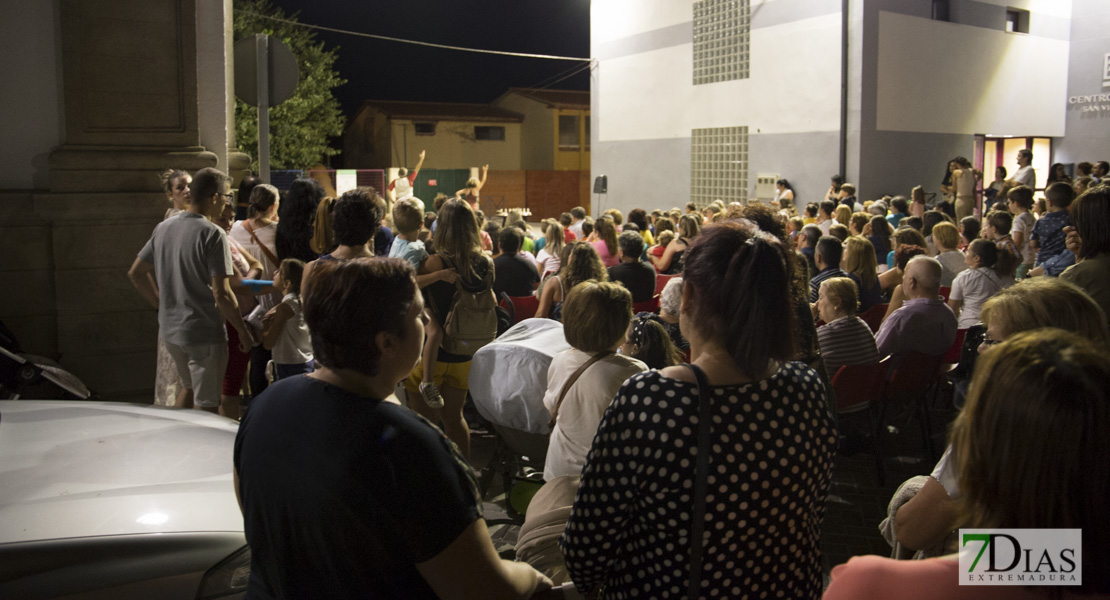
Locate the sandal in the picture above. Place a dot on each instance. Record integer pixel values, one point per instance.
(431, 395)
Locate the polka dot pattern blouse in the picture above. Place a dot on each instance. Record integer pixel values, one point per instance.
(769, 474)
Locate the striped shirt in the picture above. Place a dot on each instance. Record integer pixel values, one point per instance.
(815, 283)
(846, 341)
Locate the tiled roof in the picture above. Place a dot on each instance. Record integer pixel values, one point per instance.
(575, 99)
(444, 111)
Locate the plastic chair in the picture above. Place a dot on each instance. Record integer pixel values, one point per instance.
(874, 316)
(651, 306)
(952, 356)
(661, 282)
(520, 307)
(858, 391)
(910, 383)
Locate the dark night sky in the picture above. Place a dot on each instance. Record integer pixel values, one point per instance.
(381, 70)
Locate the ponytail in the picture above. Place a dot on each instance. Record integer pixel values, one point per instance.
(742, 294)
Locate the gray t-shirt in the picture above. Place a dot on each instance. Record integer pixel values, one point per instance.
(187, 251)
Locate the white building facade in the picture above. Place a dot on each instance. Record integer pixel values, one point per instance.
(693, 100)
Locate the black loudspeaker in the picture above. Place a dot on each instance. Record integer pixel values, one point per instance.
(601, 184)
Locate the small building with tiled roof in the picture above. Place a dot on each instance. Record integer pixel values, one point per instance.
(556, 130)
(456, 135)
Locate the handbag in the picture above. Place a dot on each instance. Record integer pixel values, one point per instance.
(573, 378)
(269, 254)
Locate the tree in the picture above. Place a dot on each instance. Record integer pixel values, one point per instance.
(300, 126)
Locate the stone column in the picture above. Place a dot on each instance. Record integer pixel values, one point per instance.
(238, 162)
(138, 98)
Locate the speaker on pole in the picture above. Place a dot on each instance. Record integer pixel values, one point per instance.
(601, 184)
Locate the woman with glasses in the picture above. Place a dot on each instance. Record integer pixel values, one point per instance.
(1028, 448)
(926, 520)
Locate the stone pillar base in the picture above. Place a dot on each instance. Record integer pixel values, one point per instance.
(102, 207)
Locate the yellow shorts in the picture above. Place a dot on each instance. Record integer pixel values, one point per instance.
(456, 375)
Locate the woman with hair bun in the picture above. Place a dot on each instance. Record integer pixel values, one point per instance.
(767, 446)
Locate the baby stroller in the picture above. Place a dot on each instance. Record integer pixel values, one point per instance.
(29, 376)
(508, 379)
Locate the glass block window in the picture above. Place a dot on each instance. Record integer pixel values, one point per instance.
(719, 165)
(722, 40)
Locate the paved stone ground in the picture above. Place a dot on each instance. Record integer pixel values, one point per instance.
(857, 502)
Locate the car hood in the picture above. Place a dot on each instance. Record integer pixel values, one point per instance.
(80, 469)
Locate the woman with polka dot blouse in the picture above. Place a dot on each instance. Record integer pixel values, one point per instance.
(771, 446)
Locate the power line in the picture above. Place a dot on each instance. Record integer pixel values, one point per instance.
(560, 75)
(414, 42)
(589, 65)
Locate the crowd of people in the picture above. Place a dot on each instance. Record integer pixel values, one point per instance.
(695, 419)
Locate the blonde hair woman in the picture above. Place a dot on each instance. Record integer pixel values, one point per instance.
(946, 237)
(548, 257)
(1029, 455)
(844, 338)
(858, 261)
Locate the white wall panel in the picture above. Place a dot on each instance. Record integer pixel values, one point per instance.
(937, 77)
(794, 87)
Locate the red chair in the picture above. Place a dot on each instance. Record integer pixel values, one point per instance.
(874, 316)
(909, 384)
(953, 355)
(651, 306)
(520, 307)
(661, 282)
(858, 390)
(945, 292)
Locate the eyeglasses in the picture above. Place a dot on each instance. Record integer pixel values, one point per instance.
(227, 197)
(988, 342)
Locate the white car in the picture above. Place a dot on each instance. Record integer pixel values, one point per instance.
(112, 500)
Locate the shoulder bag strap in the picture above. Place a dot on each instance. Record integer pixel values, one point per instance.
(269, 254)
(701, 484)
(570, 382)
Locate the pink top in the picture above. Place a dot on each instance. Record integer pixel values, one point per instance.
(865, 577)
(603, 251)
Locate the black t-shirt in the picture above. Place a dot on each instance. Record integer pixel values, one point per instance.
(516, 275)
(637, 277)
(342, 494)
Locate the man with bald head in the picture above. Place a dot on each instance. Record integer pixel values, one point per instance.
(924, 323)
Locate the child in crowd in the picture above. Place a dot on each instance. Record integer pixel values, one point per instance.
(1048, 232)
(664, 239)
(425, 234)
(284, 331)
(588, 229)
(996, 228)
(1019, 201)
(811, 214)
(407, 218)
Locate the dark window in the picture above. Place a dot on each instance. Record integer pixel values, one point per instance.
(940, 10)
(492, 133)
(425, 128)
(1017, 20)
(568, 132)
